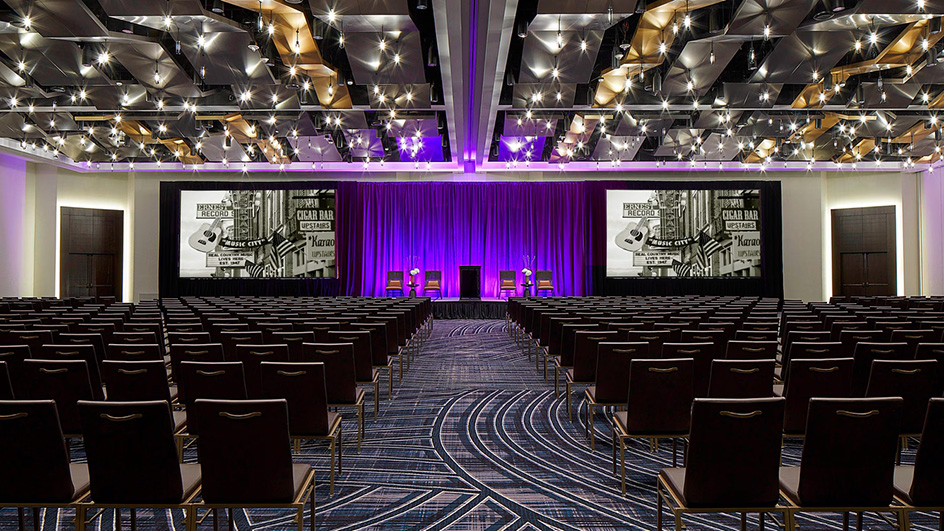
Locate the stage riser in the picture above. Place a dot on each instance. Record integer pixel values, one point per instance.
(469, 309)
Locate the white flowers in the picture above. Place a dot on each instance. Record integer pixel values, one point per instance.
(526, 271)
(414, 271)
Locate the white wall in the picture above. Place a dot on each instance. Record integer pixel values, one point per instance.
(931, 186)
(807, 200)
(13, 213)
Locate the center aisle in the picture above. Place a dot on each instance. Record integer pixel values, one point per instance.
(475, 440)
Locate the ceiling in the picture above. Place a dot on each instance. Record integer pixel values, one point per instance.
(466, 85)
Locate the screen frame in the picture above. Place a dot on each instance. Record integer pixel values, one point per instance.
(170, 284)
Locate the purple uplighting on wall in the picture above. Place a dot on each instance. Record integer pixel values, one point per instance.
(420, 148)
(520, 148)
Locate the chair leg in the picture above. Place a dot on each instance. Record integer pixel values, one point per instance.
(845, 521)
(556, 382)
(229, 519)
(376, 398)
(390, 382)
(311, 522)
(859, 521)
(134, 520)
(674, 451)
(623, 466)
(216, 519)
(19, 516)
(658, 507)
(331, 450)
(743, 521)
(590, 426)
(37, 524)
(613, 429)
(80, 518)
(760, 521)
(297, 443)
(360, 425)
(340, 446)
(570, 414)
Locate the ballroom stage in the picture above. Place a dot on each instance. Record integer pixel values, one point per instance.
(454, 308)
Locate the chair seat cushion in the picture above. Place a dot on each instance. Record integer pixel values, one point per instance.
(675, 479)
(358, 397)
(778, 389)
(622, 422)
(190, 476)
(80, 480)
(790, 483)
(180, 420)
(432, 284)
(299, 473)
(592, 391)
(374, 374)
(904, 475)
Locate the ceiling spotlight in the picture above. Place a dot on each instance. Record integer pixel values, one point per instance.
(396, 58)
(751, 59)
(298, 43)
(27, 23)
(857, 46)
(555, 73)
(162, 128)
(245, 96)
(422, 4)
(217, 7)
(157, 75)
(103, 58)
(522, 29)
(583, 45)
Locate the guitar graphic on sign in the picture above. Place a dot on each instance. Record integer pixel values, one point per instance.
(207, 236)
(632, 240)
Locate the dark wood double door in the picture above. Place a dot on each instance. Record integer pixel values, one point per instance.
(864, 252)
(91, 252)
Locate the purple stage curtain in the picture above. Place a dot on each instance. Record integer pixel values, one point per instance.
(446, 225)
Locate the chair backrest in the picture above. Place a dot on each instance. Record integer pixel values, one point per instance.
(85, 353)
(866, 353)
(14, 355)
(734, 453)
(394, 279)
(655, 338)
(702, 354)
(134, 338)
(105, 329)
(850, 338)
(585, 352)
(134, 352)
(924, 351)
(130, 381)
(338, 359)
(6, 388)
(803, 350)
(433, 279)
(251, 356)
(378, 340)
(35, 339)
(755, 335)
(65, 381)
(34, 461)
(545, 280)
(660, 394)
(268, 330)
(293, 340)
(913, 337)
(199, 352)
(188, 338)
(125, 440)
(751, 350)
(360, 339)
(915, 381)
(927, 489)
(741, 378)
(231, 427)
(702, 336)
(223, 381)
(507, 279)
(303, 385)
(229, 341)
(830, 377)
(849, 453)
(569, 340)
(95, 340)
(613, 361)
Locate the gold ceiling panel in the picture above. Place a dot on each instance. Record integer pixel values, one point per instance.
(809, 132)
(862, 147)
(762, 151)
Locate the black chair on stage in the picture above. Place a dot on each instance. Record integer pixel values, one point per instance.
(545, 282)
(507, 281)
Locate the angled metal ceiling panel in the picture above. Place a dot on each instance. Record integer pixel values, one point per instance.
(574, 64)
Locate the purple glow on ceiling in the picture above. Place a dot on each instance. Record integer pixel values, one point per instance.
(420, 148)
(518, 147)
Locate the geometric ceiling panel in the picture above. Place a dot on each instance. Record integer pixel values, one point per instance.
(796, 57)
(399, 61)
(573, 62)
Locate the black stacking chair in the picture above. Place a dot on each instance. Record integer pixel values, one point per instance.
(585, 360)
(913, 337)
(64, 381)
(229, 340)
(134, 352)
(304, 387)
(659, 405)
(35, 471)
(919, 487)
(338, 359)
(363, 360)
(132, 459)
(251, 356)
(14, 355)
(141, 381)
(702, 353)
(294, 342)
(95, 340)
(269, 478)
(848, 460)
(6, 388)
(610, 387)
(218, 381)
(198, 352)
(751, 350)
(655, 338)
(866, 353)
(915, 381)
(741, 378)
(84, 353)
(850, 338)
(828, 378)
(805, 350)
(925, 351)
(733, 461)
(34, 339)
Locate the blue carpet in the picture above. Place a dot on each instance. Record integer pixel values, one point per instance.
(474, 439)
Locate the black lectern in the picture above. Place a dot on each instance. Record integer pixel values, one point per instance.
(470, 282)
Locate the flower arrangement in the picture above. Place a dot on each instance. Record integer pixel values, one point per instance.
(415, 271)
(527, 272)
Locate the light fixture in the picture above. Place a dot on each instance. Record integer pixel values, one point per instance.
(751, 58)
(640, 8)
(422, 4)
(157, 73)
(711, 54)
(522, 29)
(298, 43)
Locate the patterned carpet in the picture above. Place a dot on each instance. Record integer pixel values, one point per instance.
(474, 439)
